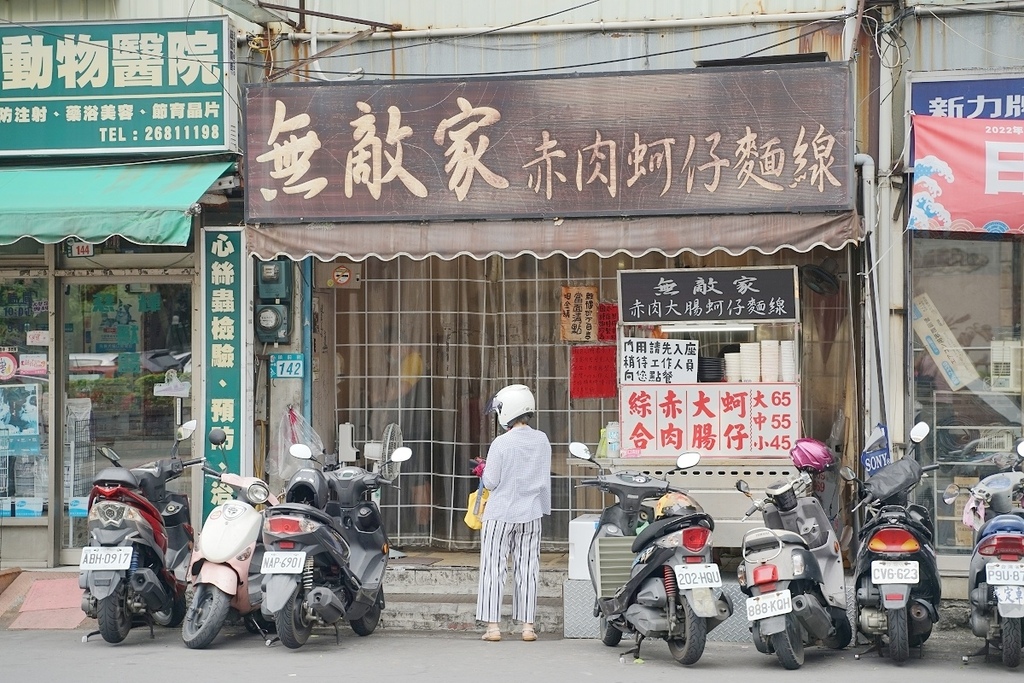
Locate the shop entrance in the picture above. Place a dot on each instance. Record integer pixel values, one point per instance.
(123, 342)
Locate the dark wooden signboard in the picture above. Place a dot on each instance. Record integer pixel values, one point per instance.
(767, 294)
(700, 141)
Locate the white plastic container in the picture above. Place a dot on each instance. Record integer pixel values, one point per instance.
(581, 533)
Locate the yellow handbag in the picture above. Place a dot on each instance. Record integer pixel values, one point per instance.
(475, 507)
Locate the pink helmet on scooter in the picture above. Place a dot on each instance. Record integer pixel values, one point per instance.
(811, 454)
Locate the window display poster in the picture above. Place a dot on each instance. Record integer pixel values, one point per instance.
(607, 321)
(592, 372)
(658, 361)
(715, 419)
(579, 314)
(19, 419)
(950, 358)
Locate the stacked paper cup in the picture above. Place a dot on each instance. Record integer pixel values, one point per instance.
(750, 362)
(732, 367)
(769, 360)
(787, 361)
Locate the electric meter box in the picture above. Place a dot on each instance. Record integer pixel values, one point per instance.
(274, 281)
(273, 323)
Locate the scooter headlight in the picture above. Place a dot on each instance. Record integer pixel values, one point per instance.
(257, 493)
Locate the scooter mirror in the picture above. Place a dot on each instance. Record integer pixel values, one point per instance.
(580, 450)
(400, 454)
(1020, 448)
(302, 451)
(109, 454)
(688, 459)
(919, 431)
(217, 436)
(847, 474)
(185, 430)
(950, 494)
(742, 487)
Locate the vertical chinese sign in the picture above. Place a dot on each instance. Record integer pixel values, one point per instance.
(579, 314)
(222, 286)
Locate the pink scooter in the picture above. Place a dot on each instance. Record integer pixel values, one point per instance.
(225, 567)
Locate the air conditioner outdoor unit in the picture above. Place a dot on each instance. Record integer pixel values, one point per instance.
(1004, 368)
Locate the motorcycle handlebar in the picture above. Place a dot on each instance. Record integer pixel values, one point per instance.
(194, 461)
(929, 468)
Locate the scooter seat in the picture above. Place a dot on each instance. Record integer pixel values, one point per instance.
(1002, 524)
(665, 526)
(117, 475)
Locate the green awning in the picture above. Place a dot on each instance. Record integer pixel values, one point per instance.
(147, 203)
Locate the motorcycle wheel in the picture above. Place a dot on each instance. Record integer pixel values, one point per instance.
(695, 629)
(789, 645)
(112, 615)
(366, 624)
(899, 638)
(610, 635)
(292, 628)
(843, 634)
(205, 616)
(1011, 642)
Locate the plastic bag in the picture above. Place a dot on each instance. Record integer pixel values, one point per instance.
(281, 464)
(475, 508)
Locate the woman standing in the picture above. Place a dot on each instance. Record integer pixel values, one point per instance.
(518, 475)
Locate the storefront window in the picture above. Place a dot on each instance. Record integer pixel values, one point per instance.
(120, 342)
(24, 393)
(966, 296)
(425, 344)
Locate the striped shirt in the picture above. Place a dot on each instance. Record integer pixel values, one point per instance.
(518, 475)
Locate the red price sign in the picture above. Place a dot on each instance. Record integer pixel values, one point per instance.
(744, 420)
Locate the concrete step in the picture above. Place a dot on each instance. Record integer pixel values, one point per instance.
(447, 580)
(444, 598)
(433, 612)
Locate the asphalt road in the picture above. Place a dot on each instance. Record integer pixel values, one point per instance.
(426, 658)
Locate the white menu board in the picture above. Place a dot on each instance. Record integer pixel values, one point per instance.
(716, 419)
(657, 361)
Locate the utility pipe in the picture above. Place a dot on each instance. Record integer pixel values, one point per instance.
(589, 27)
(868, 195)
(963, 8)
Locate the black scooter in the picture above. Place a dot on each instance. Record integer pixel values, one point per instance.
(897, 576)
(327, 551)
(661, 582)
(995, 581)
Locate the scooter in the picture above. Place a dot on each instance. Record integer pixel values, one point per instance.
(327, 551)
(897, 575)
(792, 572)
(666, 590)
(996, 574)
(134, 567)
(225, 569)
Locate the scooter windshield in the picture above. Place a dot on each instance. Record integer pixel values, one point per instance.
(893, 479)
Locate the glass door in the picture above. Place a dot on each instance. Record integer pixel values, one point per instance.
(124, 345)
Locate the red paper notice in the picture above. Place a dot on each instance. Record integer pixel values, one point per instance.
(607, 318)
(592, 372)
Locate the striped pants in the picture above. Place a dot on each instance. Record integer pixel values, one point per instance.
(497, 540)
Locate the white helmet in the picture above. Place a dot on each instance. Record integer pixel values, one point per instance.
(512, 403)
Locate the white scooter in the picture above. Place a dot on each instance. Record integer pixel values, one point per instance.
(225, 566)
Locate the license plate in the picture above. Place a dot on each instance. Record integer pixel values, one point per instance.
(698, 576)
(769, 605)
(1009, 595)
(888, 571)
(99, 557)
(1005, 574)
(283, 563)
